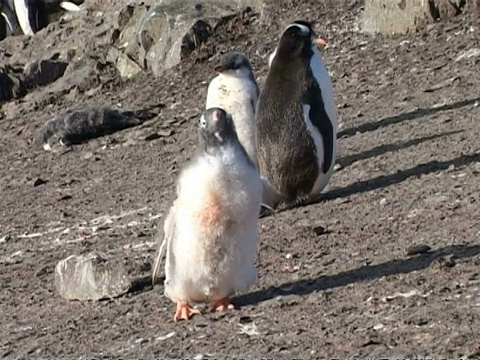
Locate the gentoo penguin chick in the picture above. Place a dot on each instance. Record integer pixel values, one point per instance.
(296, 121)
(80, 125)
(210, 232)
(235, 90)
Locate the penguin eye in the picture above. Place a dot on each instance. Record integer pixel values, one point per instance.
(203, 122)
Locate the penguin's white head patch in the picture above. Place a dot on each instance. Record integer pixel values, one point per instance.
(304, 29)
(203, 122)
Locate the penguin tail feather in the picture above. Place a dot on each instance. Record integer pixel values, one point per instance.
(158, 260)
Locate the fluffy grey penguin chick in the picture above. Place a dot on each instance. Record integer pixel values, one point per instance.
(210, 232)
(235, 90)
(296, 121)
(81, 125)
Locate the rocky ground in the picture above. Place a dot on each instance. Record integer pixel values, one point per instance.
(347, 277)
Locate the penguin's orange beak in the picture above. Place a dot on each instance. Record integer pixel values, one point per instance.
(320, 42)
(219, 68)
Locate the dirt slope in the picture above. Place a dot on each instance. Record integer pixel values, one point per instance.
(409, 149)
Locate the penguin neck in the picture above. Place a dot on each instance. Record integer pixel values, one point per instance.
(237, 75)
(213, 147)
(293, 68)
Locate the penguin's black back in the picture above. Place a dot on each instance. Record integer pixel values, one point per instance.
(286, 151)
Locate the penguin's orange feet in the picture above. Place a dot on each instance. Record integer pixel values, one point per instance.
(184, 311)
(222, 305)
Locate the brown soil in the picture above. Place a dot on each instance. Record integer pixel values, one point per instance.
(331, 274)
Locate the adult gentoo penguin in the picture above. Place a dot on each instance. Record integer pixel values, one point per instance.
(32, 15)
(235, 90)
(296, 121)
(210, 232)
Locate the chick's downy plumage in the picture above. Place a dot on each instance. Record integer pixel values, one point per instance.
(210, 232)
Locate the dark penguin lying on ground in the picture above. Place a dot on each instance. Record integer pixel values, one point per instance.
(78, 126)
(296, 121)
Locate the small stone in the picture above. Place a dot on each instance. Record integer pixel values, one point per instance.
(167, 336)
(5, 238)
(337, 167)
(43, 72)
(159, 134)
(319, 230)
(446, 262)
(38, 182)
(91, 277)
(418, 249)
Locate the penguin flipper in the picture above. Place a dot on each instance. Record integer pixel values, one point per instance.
(168, 234)
(325, 128)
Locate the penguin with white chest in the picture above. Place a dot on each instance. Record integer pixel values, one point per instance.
(235, 90)
(8, 20)
(33, 15)
(210, 232)
(296, 121)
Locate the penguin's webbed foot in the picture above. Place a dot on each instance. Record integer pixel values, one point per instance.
(222, 304)
(184, 311)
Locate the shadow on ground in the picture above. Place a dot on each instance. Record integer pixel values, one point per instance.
(384, 181)
(383, 149)
(364, 273)
(411, 115)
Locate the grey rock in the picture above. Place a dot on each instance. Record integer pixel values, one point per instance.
(160, 37)
(91, 277)
(390, 17)
(15, 79)
(10, 82)
(43, 72)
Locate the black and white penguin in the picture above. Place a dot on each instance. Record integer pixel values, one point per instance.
(8, 20)
(33, 15)
(235, 90)
(296, 121)
(211, 230)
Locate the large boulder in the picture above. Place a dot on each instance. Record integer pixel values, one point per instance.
(157, 37)
(391, 17)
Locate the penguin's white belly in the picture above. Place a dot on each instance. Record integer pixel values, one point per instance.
(325, 82)
(322, 178)
(323, 79)
(22, 11)
(235, 96)
(216, 231)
